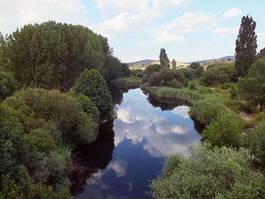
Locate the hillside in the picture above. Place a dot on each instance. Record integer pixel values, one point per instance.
(142, 64)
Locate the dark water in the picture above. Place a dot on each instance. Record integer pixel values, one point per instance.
(130, 152)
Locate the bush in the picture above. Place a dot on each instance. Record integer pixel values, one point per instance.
(167, 77)
(225, 130)
(137, 73)
(33, 163)
(210, 173)
(256, 142)
(60, 114)
(92, 84)
(252, 87)
(206, 109)
(218, 73)
(149, 70)
(7, 84)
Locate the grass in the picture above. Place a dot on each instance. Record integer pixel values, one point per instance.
(127, 82)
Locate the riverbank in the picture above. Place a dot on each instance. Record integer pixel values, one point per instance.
(127, 82)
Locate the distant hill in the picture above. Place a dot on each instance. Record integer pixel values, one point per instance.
(142, 64)
(222, 59)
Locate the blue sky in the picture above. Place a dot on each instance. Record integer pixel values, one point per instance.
(137, 29)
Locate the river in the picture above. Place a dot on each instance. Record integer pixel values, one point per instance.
(130, 152)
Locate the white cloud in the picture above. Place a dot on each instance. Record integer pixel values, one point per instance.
(160, 6)
(166, 37)
(191, 22)
(115, 7)
(16, 13)
(224, 31)
(233, 12)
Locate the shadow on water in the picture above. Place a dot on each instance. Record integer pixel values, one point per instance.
(88, 159)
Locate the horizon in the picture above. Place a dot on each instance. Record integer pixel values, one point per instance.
(187, 29)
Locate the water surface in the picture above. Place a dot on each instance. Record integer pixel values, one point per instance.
(130, 152)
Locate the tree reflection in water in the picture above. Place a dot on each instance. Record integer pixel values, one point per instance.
(88, 159)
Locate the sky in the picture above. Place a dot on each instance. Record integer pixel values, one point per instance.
(189, 30)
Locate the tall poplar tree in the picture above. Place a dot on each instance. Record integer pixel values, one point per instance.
(164, 61)
(246, 46)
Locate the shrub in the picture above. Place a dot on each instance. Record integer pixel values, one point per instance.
(218, 73)
(210, 173)
(93, 85)
(225, 130)
(252, 87)
(60, 114)
(206, 109)
(7, 84)
(167, 77)
(149, 70)
(256, 141)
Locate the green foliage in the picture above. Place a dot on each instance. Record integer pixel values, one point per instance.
(252, 87)
(218, 73)
(7, 84)
(225, 130)
(33, 163)
(89, 107)
(205, 110)
(58, 113)
(164, 61)
(256, 142)
(149, 70)
(197, 69)
(52, 55)
(168, 78)
(210, 173)
(137, 73)
(114, 69)
(127, 82)
(92, 84)
(246, 46)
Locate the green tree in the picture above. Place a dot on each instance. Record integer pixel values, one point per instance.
(256, 142)
(7, 84)
(225, 130)
(52, 55)
(164, 61)
(219, 73)
(210, 173)
(246, 46)
(92, 84)
(252, 87)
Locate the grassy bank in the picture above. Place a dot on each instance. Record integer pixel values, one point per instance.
(127, 82)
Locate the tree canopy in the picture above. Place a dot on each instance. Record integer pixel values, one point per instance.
(52, 55)
(246, 46)
(210, 173)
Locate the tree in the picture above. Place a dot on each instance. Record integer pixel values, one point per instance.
(7, 84)
(59, 114)
(93, 85)
(219, 73)
(252, 87)
(174, 64)
(210, 173)
(246, 46)
(225, 130)
(261, 53)
(256, 142)
(52, 55)
(197, 69)
(164, 61)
